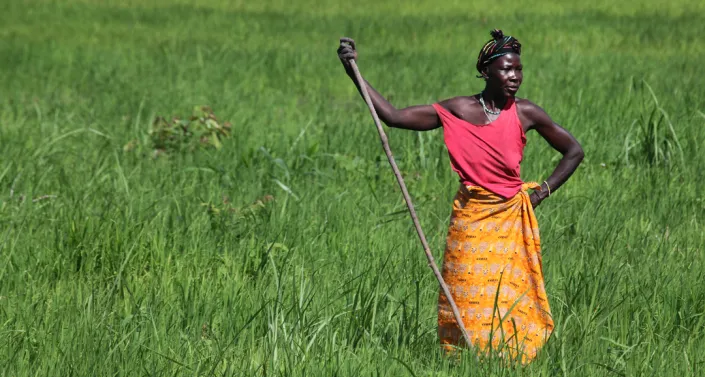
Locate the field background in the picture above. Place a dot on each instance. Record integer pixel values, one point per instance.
(111, 262)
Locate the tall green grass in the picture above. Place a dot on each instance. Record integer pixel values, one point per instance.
(113, 262)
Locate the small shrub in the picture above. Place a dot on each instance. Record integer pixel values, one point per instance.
(201, 130)
(226, 217)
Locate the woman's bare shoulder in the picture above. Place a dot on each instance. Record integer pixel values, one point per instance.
(459, 103)
(523, 104)
(531, 114)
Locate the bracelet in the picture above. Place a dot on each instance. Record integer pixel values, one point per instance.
(548, 187)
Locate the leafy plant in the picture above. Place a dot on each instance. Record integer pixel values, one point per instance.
(226, 217)
(201, 130)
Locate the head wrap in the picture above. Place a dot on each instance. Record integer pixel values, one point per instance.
(497, 46)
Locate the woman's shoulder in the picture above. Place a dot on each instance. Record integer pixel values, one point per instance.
(527, 107)
(531, 114)
(458, 105)
(525, 104)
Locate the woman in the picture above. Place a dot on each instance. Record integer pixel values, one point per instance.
(492, 259)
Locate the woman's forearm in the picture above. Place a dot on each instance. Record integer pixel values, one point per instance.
(565, 168)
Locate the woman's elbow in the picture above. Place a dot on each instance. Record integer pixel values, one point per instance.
(395, 119)
(577, 154)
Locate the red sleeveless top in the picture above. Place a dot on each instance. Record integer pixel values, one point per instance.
(489, 155)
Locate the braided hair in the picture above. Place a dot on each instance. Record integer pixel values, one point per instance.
(497, 46)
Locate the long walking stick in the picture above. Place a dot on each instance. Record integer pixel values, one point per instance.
(400, 180)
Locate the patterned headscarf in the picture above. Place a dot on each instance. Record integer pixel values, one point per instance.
(497, 46)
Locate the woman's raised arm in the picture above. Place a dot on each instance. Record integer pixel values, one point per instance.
(416, 118)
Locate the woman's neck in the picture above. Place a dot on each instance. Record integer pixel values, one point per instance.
(494, 100)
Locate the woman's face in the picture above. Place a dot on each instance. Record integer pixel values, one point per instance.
(505, 74)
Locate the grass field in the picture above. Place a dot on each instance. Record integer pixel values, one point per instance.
(113, 262)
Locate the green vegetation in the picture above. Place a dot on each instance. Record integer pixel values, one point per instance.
(288, 250)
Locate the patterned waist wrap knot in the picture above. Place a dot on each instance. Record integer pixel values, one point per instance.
(492, 266)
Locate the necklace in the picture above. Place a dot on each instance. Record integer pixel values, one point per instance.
(484, 107)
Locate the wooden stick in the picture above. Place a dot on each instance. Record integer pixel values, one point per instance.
(400, 180)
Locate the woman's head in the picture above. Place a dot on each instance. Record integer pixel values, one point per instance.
(499, 63)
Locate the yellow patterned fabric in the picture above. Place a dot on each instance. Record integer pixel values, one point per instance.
(492, 266)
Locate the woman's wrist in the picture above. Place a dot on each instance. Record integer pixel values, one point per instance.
(545, 191)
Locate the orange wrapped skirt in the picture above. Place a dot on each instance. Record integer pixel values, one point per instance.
(492, 266)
